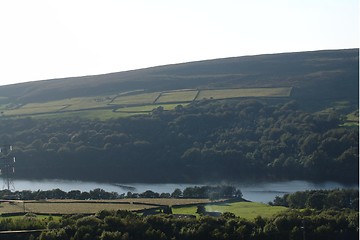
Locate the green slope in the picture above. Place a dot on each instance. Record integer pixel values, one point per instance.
(323, 77)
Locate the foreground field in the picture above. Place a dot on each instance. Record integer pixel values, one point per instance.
(91, 207)
(247, 210)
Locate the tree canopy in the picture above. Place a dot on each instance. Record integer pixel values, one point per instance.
(207, 140)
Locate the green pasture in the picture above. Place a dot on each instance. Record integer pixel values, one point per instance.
(177, 96)
(88, 102)
(58, 207)
(59, 106)
(123, 105)
(96, 114)
(34, 108)
(80, 208)
(61, 207)
(106, 114)
(247, 210)
(146, 108)
(143, 98)
(244, 92)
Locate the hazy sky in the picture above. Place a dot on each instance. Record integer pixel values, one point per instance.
(43, 39)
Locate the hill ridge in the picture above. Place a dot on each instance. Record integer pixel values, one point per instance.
(301, 70)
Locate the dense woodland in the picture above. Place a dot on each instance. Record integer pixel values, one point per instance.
(205, 141)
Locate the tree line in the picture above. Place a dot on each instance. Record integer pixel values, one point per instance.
(211, 192)
(288, 226)
(321, 199)
(205, 141)
(115, 225)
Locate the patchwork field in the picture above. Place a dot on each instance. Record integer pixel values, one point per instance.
(89, 207)
(247, 210)
(244, 92)
(177, 96)
(52, 207)
(130, 103)
(142, 98)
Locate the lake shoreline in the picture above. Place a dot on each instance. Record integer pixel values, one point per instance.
(252, 191)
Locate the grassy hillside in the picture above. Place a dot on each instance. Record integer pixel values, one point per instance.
(320, 77)
(115, 106)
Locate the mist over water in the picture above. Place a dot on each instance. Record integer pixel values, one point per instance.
(256, 192)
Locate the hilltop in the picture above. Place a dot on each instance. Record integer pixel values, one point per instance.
(320, 77)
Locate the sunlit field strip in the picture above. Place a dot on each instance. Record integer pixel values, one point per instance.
(144, 98)
(52, 108)
(178, 96)
(71, 208)
(98, 114)
(93, 206)
(247, 210)
(148, 108)
(41, 108)
(106, 114)
(55, 106)
(244, 92)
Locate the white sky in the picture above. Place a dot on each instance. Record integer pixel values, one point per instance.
(44, 39)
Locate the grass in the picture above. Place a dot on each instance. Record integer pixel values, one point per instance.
(247, 210)
(168, 201)
(11, 207)
(88, 102)
(147, 108)
(106, 114)
(119, 106)
(90, 207)
(61, 105)
(83, 207)
(34, 108)
(97, 114)
(244, 92)
(177, 96)
(53, 207)
(143, 98)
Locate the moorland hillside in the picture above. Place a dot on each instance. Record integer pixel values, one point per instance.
(270, 117)
(318, 75)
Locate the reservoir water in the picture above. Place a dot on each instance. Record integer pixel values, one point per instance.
(257, 192)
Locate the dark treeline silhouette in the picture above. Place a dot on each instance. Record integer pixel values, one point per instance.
(321, 199)
(205, 141)
(211, 192)
(288, 225)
